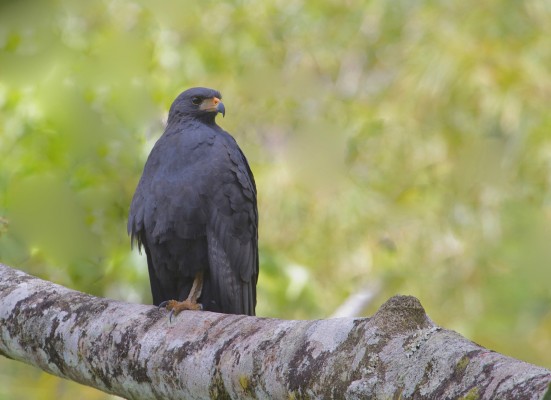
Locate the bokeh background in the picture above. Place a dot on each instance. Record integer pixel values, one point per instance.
(399, 146)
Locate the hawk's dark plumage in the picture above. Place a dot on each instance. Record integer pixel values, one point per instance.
(195, 210)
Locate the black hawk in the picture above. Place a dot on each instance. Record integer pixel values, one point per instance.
(195, 213)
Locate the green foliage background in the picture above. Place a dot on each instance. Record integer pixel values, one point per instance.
(400, 142)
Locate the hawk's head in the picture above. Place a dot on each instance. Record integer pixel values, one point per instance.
(199, 103)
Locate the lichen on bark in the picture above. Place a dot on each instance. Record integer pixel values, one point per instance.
(134, 351)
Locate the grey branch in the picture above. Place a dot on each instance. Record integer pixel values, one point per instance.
(358, 301)
(133, 351)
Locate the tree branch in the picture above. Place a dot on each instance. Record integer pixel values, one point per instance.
(358, 301)
(133, 351)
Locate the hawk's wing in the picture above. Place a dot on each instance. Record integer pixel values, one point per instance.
(232, 233)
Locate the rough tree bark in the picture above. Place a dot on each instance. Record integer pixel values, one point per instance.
(133, 351)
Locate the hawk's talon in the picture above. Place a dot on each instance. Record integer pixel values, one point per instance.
(175, 307)
(190, 303)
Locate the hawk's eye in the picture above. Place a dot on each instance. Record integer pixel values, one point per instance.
(196, 100)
